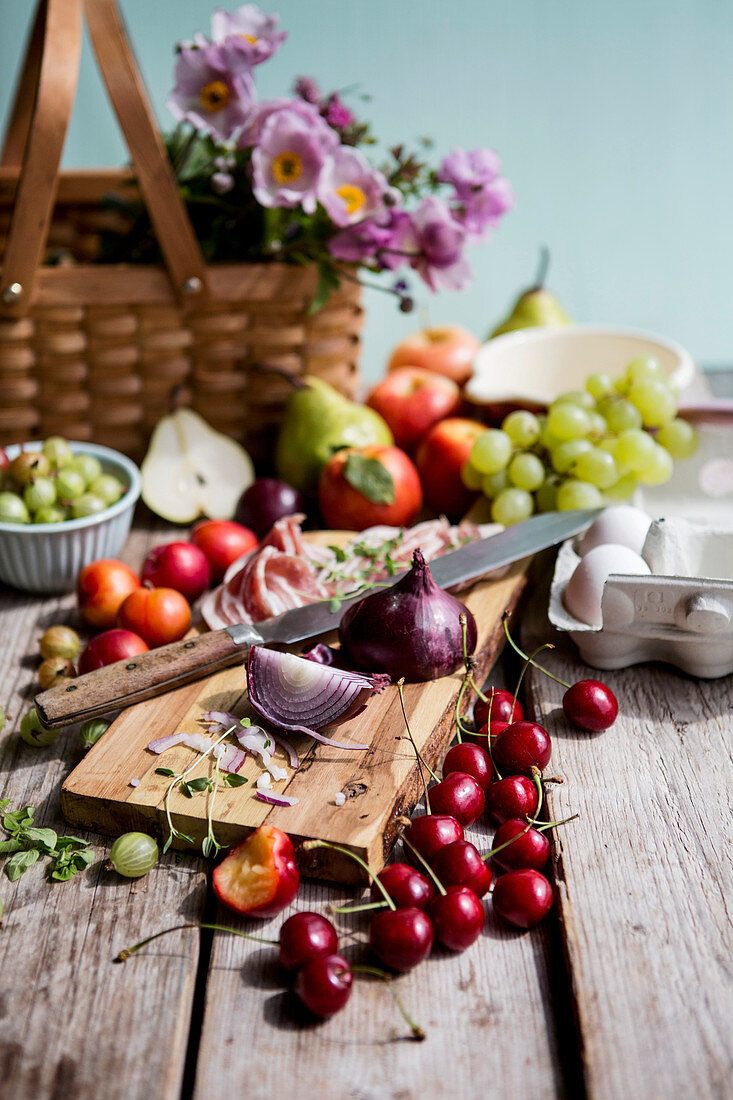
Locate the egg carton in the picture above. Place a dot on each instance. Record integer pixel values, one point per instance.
(682, 614)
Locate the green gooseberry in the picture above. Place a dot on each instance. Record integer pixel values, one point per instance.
(13, 509)
(87, 505)
(108, 488)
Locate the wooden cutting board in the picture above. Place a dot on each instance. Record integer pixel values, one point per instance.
(380, 785)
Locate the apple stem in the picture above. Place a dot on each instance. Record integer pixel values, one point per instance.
(420, 761)
(374, 971)
(311, 844)
(542, 268)
(127, 951)
(426, 865)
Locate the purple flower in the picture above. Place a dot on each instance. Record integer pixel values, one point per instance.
(336, 113)
(468, 170)
(359, 243)
(210, 93)
(437, 242)
(484, 209)
(309, 115)
(306, 88)
(481, 196)
(288, 160)
(351, 190)
(249, 31)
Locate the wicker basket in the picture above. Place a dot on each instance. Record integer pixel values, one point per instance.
(98, 351)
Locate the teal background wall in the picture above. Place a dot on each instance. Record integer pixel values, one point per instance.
(614, 124)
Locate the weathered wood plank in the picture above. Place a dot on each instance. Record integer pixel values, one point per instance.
(73, 1024)
(644, 877)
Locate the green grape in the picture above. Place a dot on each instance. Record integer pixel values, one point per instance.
(644, 366)
(599, 385)
(492, 484)
(13, 509)
(633, 448)
(522, 427)
(57, 451)
(108, 488)
(620, 414)
(70, 484)
(53, 514)
(566, 421)
(87, 505)
(658, 467)
(598, 425)
(491, 451)
(546, 496)
(88, 466)
(526, 471)
(577, 397)
(470, 476)
(624, 488)
(512, 506)
(564, 454)
(621, 385)
(41, 493)
(655, 402)
(547, 439)
(596, 466)
(574, 494)
(679, 438)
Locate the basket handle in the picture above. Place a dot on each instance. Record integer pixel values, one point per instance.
(40, 134)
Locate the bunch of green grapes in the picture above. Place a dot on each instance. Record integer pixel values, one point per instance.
(594, 446)
(54, 484)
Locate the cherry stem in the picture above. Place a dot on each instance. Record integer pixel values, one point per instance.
(420, 761)
(531, 660)
(493, 851)
(552, 824)
(310, 844)
(426, 865)
(359, 908)
(374, 971)
(127, 951)
(537, 780)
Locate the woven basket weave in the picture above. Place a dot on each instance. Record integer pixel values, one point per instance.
(98, 352)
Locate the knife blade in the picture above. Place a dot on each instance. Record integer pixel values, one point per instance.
(131, 681)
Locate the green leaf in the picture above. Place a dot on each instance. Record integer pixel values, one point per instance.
(45, 839)
(232, 780)
(165, 771)
(168, 843)
(202, 784)
(4, 803)
(64, 842)
(371, 478)
(18, 864)
(185, 836)
(16, 819)
(328, 280)
(7, 846)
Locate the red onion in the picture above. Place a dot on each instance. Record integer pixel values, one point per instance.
(412, 629)
(276, 799)
(303, 696)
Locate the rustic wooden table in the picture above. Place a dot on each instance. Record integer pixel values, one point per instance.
(624, 990)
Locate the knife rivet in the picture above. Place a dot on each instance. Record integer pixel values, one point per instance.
(189, 645)
(71, 687)
(130, 667)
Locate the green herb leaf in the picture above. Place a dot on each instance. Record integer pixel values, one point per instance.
(18, 864)
(45, 839)
(371, 478)
(7, 846)
(201, 784)
(232, 780)
(168, 843)
(165, 771)
(328, 280)
(70, 842)
(4, 803)
(185, 836)
(17, 819)
(334, 605)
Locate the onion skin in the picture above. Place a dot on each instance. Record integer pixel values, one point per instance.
(410, 630)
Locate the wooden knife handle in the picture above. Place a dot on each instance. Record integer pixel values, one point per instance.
(130, 681)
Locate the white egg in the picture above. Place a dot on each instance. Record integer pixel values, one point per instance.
(621, 524)
(584, 590)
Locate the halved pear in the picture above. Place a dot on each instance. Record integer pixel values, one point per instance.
(192, 470)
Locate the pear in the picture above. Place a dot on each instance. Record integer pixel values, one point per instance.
(192, 470)
(536, 306)
(318, 422)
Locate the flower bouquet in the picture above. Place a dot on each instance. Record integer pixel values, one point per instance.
(285, 179)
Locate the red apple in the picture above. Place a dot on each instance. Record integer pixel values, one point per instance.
(111, 646)
(101, 588)
(363, 486)
(259, 877)
(222, 541)
(411, 400)
(179, 565)
(439, 460)
(448, 350)
(4, 460)
(159, 615)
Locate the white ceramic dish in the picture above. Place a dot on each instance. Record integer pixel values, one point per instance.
(47, 557)
(533, 366)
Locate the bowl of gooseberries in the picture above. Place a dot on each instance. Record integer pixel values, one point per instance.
(63, 504)
(602, 421)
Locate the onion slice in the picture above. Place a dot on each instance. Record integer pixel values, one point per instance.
(276, 799)
(304, 697)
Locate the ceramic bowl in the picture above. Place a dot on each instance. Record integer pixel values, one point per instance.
(531, 367)
(47, 557)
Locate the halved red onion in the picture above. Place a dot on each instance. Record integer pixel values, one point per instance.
(304, 697)
(276, 799)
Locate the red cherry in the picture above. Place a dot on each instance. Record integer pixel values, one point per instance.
(512, 796)
(401, 937)
(460, 796)
(458, 917)
(306, 936)
(482, 735)
(531, 848)
(407, 886)
(522, 746)
(502, 705)
(324, 984)
(522, 898)
(429, 832)
(472, 760)
(460, 864)
(590, 705)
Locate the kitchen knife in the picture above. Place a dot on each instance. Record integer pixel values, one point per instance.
(130, 681)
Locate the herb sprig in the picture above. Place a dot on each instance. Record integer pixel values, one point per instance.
(26, 843)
